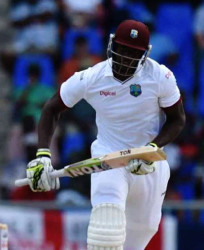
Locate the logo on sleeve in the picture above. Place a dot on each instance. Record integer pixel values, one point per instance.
(135, 90)
(168, 75)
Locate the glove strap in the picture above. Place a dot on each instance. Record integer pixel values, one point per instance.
(154, 145)
(43, 152)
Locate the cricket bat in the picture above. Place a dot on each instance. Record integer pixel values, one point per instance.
(109, 161)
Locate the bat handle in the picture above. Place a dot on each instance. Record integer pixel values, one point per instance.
(54, 174)
(21, 182)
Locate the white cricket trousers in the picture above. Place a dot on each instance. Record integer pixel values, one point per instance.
(140, 196)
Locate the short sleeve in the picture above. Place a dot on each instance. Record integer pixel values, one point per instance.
(169, 92)
(74, 89)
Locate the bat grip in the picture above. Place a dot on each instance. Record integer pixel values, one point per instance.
(21, 182)
(54, 174)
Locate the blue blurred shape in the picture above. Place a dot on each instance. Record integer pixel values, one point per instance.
(201, 89)
(201, 217)
(139, 11)
(92, 35)
(186, 190)
(20, 74)
(72, 143)
(176, 21)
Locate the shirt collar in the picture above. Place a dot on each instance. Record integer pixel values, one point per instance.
(108, 68)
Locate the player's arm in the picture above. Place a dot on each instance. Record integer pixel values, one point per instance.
(175, 121)
(48, 121)
(71, 92)
(38, 170)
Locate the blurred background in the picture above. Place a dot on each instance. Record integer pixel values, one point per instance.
(42, 43)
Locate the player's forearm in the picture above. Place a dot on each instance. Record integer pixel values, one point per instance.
(169, 132)
(46, 126)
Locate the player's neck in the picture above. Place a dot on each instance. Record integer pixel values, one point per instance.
(121, 78)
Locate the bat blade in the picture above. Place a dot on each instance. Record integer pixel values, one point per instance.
(110, 161)
(114, 160)
(121, 158)
(89, 166)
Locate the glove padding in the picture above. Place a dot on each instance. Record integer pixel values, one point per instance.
(140, 167)
(38, 172)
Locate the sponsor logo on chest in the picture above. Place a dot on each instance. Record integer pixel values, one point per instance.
(108, 93)
(134, 90)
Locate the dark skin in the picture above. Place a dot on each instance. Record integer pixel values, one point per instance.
(127, 52)
(175, 121)
(48, 120)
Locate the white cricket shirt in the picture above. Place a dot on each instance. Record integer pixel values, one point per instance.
(129, 114)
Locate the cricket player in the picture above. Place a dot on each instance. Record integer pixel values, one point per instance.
(137, 103)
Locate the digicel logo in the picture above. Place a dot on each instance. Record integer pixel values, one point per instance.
(107, 93)
(168, 74)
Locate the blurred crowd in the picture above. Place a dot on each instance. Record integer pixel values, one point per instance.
(52, 39)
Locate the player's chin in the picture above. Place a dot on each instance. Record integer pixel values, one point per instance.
(124, 71)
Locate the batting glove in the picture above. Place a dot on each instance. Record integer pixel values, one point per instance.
(38, 172)
(141, 167)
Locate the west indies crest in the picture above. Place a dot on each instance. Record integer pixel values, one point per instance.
(135, 90)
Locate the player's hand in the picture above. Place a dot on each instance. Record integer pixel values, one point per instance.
(141, 167)
(38, 171)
